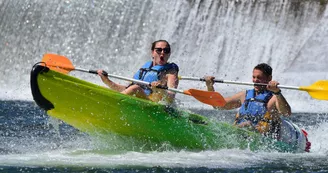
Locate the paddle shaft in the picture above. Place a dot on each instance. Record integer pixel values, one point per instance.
(236, 82)
(318, 90)
(129, 79)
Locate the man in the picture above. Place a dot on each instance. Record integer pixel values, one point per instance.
(261, 107)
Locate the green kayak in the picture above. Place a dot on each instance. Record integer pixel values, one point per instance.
(112, 117)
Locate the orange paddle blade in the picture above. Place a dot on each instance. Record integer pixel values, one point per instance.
(207, 97)
(58, 63)
(318, 90)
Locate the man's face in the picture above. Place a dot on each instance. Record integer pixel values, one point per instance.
(260, 77)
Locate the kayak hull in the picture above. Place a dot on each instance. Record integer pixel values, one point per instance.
(111, 116)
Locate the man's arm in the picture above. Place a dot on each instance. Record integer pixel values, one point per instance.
(281, 103)
(232, 102)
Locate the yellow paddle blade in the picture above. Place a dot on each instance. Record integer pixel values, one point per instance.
(318, 90)
(207, 97)
(58, 63)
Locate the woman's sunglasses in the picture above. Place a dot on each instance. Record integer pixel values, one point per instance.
(159, 50)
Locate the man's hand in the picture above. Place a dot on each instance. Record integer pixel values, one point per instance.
(273, 86)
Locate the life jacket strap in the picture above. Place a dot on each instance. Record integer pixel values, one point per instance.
(143, 71)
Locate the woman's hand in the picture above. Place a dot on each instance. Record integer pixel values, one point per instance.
(155, 86)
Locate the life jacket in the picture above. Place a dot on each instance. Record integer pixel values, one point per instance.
(254, 109)
(150, 73)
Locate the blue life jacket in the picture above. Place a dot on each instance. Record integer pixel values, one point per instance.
(150, 73)
(254, 107)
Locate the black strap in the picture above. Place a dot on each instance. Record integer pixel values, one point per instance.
(36, 93)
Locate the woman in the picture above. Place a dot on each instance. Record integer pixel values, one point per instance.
(158, 72)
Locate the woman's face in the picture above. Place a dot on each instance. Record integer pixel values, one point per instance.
(161, 53)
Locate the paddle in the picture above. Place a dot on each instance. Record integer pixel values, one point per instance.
(318, 90)
(64, 65)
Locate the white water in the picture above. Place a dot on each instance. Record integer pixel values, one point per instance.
(209, 159)
(224, 38)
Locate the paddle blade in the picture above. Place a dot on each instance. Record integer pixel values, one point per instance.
(207, 97)
(318, 90)
(58, 63)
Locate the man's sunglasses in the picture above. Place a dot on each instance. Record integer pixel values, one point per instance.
(159, 50)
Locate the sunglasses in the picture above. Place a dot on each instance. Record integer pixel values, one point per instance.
(159, 50)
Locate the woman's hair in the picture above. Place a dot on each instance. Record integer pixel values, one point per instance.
(155, 42)
(265, 68)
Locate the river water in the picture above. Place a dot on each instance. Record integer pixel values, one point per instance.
(32, 142)
(224, 38)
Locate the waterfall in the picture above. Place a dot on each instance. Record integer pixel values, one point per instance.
(223, 38)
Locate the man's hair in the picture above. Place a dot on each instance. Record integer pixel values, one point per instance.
(154, 44)
(265, 68)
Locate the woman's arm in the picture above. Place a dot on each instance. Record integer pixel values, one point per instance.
(109, 83)
(172, 82)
